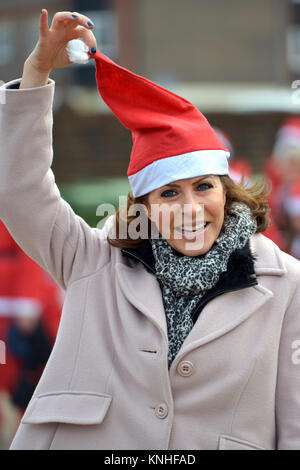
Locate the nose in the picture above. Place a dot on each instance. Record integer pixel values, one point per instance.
(192, 211)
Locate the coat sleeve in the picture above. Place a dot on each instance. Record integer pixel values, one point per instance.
(31, 207)
(288, 379)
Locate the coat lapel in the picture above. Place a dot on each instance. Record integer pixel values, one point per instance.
(141, 288)
(224, 313)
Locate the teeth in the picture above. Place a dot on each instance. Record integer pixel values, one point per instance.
(193, 229)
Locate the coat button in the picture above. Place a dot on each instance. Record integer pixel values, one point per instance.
(185, 368)
(161, 411)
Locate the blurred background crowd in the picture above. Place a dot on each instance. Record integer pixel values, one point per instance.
(238, 61)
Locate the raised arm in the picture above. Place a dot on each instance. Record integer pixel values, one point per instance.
(41, 222)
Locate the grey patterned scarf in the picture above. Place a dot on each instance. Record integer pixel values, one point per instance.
(184, 279)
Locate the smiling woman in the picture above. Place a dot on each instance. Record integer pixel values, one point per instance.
(205, 200)
(182, 340)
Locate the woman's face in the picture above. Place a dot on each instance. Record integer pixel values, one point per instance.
(189, 213)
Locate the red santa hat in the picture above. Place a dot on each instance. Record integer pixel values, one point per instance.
(172, 140)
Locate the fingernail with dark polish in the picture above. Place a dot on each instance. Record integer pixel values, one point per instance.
(75, 16)
(93, 50)
(89, 23)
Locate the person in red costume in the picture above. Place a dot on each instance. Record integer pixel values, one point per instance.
(240, 171)
(292, 209)
(30, 307)
(282, 169)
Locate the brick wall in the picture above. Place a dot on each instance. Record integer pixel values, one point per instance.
(89, 146)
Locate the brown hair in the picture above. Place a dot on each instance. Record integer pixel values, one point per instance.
(254, 196)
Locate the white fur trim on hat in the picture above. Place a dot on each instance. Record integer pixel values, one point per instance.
(77, 51)
(20, 307)
(188, 165)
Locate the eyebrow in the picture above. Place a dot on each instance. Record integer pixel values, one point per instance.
(174, 185)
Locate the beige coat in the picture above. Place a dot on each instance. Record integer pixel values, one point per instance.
(235, 383)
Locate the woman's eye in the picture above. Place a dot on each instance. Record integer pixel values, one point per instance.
(204, 186)
(168, 193)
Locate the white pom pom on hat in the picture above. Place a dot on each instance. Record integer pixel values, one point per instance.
(78, 51)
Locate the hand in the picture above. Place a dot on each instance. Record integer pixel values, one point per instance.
(50, 51)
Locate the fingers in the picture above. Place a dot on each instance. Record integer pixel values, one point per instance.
(43, 27)
(66, 18)
(86, 35)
